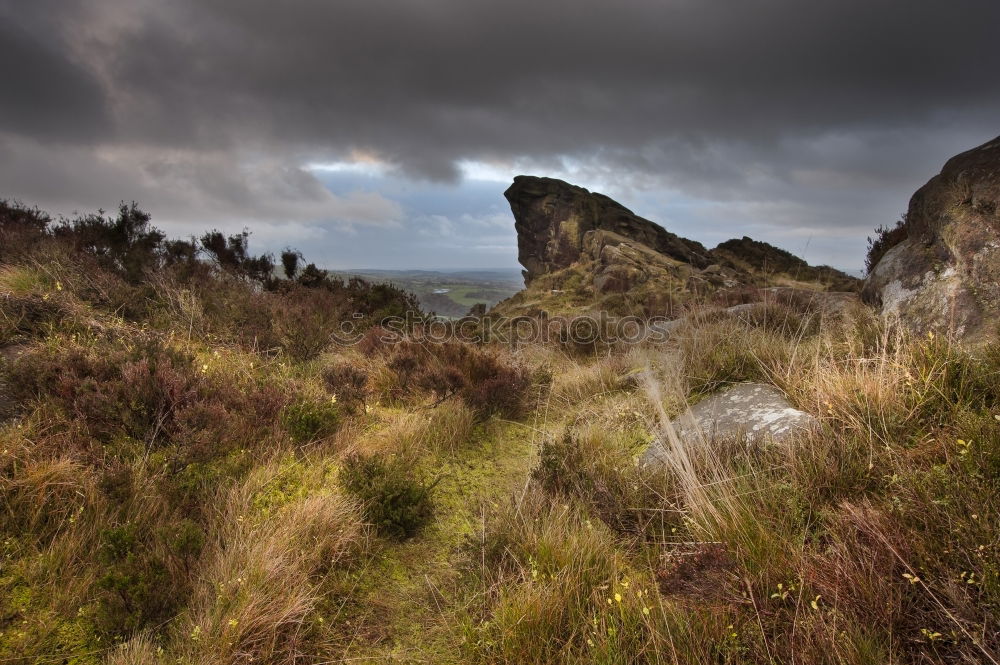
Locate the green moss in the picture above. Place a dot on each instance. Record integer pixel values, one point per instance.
(295, 479)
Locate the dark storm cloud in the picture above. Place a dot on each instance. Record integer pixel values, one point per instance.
(44, 91)
(768, 102)
(428, 82)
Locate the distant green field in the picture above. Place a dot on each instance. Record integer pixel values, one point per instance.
(449, 294)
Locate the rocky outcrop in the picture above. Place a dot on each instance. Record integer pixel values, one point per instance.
(553, 218)
(747, 411)
(752, 256)
(583, 252)
(944, 276)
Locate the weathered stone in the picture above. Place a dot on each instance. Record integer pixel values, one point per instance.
(765, 260)
(583, 252)
(552, 217)
(750, 411)
(620, 264)
(945, 275)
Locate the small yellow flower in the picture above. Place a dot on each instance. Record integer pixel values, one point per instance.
(814, 603)
(913, 579)
(58, 286)
(618, 598)
(931, 635)
(333, 398)
(234, 622)
(645, 611)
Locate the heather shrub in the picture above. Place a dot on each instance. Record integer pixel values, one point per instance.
(21, 228)
(112, 390)
(347, 383)
(886, 237)
(396, 501)
(488, 383)
(304, 319)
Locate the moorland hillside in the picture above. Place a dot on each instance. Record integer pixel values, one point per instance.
(195, 469)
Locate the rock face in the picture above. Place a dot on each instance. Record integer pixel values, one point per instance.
(553, 217)
(583, 252)
(748, 410)
(945, 275)
(753, 255)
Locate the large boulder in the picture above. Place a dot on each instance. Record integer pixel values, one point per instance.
(747, 411)
(552, 218)
(944, 276)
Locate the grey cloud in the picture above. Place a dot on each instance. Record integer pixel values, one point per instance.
(187, 189)
(45, 93)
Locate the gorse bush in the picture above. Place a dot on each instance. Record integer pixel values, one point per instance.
(396, 501)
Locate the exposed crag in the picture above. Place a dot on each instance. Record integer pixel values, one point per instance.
(583, 251)
(944, 274)
(552, 218)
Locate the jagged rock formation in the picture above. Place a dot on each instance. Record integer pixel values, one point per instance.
(583, 251)
(944, 276)
(751, 255)
(748, 411)
(552, 218)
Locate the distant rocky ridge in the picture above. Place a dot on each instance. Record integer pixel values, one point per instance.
(584, 251)
(944, 274)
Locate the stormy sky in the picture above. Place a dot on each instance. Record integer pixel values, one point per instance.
(382, 133)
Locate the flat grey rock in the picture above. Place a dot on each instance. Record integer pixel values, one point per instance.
(750, 411)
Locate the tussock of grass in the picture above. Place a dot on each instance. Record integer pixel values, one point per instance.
(263, 576)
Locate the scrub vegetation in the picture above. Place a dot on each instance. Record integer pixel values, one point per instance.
(190, 472)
